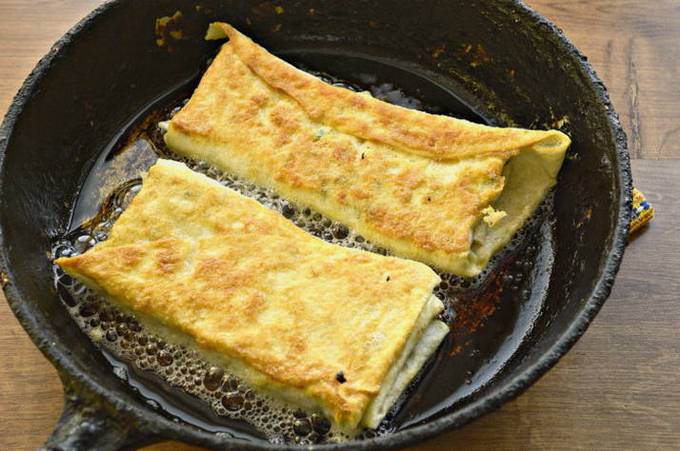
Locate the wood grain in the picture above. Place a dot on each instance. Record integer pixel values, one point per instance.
(619, 388)
(633, 46)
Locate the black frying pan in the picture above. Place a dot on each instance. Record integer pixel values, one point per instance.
(493, 61)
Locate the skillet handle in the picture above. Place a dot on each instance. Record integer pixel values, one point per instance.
(89, 423)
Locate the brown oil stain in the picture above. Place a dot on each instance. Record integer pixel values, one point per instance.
(438, 51)
(4, 279)
(587, 214)
(480, 57)
(470, 316)
(475, 54)
(168, 29)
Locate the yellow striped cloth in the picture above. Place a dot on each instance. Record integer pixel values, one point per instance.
(643, 212)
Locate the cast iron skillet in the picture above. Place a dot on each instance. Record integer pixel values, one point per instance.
(503, 60)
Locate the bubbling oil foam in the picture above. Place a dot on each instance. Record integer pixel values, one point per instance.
(184, 367)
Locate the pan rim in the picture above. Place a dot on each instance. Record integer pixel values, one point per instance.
(160, 427)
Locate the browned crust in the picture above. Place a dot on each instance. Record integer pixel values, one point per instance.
(243, 281)
(433, 136)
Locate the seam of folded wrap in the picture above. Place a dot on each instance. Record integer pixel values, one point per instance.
(416, 132)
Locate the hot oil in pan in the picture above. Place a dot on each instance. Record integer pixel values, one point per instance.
(490, 315)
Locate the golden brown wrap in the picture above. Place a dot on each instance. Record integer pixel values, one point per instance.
(282, 309)
(415, 183)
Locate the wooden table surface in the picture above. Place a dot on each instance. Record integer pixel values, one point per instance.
(620, 385)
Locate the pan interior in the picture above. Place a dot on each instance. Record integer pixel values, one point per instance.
(490, 316)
